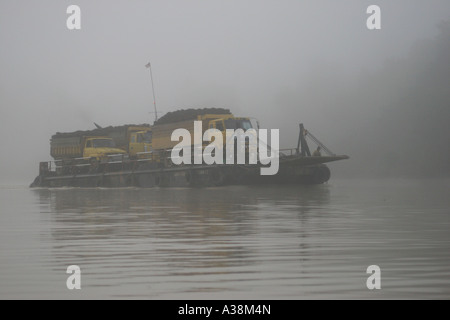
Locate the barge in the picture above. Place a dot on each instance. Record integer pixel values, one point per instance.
(91, 159)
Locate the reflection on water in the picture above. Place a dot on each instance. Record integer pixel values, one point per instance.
(233, 242)
(198, 239)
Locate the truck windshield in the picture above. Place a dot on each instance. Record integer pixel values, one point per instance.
(103, 143)
(145, 137)
(238, 124)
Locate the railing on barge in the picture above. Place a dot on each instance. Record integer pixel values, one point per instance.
(114, 162)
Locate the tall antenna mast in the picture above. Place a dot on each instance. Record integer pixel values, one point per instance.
(149, 66)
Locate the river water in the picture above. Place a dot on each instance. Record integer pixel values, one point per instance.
(260, 242)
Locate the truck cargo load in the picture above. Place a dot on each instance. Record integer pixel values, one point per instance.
(129, 138)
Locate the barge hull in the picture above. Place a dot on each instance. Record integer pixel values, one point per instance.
(188, 176)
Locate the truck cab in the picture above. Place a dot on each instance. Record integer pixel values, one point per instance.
(230, 122)
(100, 148)
(140, 141)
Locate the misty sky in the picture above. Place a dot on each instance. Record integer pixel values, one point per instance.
(283, 62)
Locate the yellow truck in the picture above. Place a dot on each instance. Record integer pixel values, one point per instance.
(221, 119)
(102, 143)
(66, 147)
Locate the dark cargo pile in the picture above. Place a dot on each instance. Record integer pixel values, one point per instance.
(98, 132)
(189, 114)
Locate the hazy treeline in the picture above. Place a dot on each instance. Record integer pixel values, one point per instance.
(394, 121)
(410, 135)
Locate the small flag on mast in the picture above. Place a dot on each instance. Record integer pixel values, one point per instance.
(148, 65)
